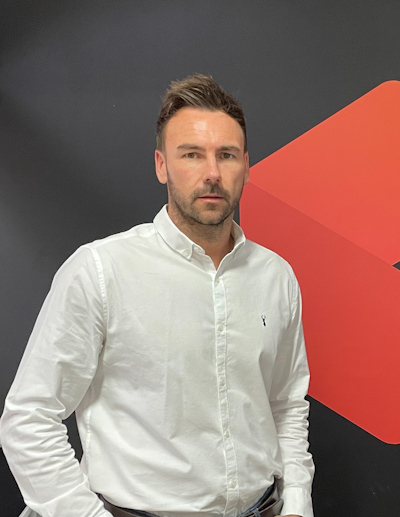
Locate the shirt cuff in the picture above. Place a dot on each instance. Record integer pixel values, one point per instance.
(297, 501)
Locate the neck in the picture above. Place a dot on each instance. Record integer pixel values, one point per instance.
(216, 240)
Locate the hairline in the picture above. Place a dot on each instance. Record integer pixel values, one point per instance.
(161, 135)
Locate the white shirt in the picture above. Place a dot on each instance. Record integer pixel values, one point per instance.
(188, 382)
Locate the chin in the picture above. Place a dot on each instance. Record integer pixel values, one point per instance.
(212, 219)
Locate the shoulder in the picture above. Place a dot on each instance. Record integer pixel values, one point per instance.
(273, 273)
(128, 244)
(264, 258)
(91, 256)
(137, 234)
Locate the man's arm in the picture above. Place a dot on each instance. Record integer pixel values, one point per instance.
(290, 410)
(54, 375)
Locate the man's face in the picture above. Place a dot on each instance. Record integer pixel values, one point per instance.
(203, 164)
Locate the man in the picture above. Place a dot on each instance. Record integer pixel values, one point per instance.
(178, 343)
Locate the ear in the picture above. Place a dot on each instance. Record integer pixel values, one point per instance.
(247, 171)
(161, 166)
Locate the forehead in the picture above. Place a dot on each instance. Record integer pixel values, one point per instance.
(200, 126)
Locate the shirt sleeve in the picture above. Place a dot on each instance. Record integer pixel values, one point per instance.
(55, 372)
(290, 411)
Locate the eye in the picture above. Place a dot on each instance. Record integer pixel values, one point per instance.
(190, 155)
(228, 156)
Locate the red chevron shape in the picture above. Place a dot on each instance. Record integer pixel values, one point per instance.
(329, 203)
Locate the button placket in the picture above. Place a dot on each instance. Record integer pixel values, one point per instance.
(221, 352)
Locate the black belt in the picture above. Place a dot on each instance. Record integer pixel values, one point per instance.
(269, 505)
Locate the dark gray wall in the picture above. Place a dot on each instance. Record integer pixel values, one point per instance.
(80, 86)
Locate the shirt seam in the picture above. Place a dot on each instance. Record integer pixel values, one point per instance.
(100, 275)
(294, 295)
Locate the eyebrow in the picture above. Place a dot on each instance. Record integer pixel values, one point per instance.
(191, 146)
(199, 148)
(229, 148)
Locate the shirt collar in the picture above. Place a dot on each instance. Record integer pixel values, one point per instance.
(181, 242)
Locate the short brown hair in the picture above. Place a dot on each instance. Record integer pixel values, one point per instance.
(197, 91)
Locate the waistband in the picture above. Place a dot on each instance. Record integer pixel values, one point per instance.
(269, 505)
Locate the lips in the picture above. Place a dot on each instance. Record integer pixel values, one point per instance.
(210, 197)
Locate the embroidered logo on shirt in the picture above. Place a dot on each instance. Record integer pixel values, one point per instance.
(263, 317)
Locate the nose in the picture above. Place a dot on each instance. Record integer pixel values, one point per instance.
(212, 173)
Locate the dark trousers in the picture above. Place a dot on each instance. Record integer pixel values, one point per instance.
(269, 505)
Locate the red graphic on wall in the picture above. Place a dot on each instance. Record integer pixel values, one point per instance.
(329, 203)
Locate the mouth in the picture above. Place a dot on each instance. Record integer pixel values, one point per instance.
(211, 197)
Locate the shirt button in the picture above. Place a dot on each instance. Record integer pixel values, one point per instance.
(186, 253)
(220, 328)
(222, 382)
(233, 484)
(227, 433)
(216, 281)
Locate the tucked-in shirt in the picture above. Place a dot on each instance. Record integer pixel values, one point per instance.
(188, 381)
